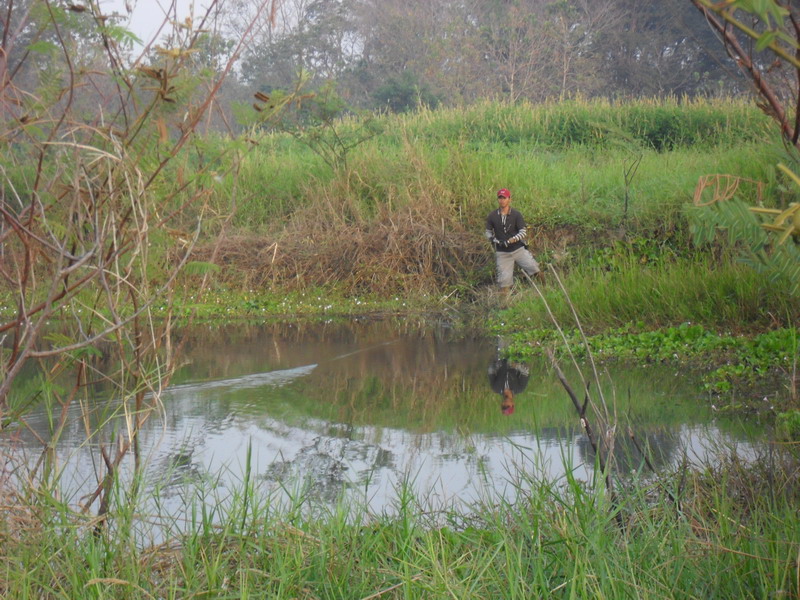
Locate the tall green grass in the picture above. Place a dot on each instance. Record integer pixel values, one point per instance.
(734, 535)
(563, 161)
(704, 291)
(658, 124)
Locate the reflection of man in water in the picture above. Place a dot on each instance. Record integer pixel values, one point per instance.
(508, 378)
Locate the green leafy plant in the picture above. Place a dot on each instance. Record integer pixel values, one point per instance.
(744, 231)
(323, 122)
(787, 425)
(404, 92)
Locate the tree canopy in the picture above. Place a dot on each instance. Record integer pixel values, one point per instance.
(381, 52)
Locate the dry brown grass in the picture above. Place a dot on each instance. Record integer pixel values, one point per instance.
(413, 248)
(18, 517)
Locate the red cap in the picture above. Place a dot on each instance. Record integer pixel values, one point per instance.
(503, 193)
(507, 410)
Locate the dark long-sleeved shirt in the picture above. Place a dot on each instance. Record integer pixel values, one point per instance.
(512, 376)
(506, 232)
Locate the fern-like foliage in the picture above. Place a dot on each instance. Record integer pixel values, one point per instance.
(743, 230)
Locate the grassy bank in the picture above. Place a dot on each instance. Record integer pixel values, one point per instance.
(400, 222)
(720, 315)
(604, 186)
(733, 534)
(405, 213)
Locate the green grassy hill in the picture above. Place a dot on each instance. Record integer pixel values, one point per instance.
(600, 183)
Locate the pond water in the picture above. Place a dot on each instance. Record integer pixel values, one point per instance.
(364, 406)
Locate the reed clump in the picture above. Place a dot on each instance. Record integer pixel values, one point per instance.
(416, 248)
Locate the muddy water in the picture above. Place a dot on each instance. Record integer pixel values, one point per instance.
(363, 408)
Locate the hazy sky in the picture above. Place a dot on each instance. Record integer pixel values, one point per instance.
(149, 14)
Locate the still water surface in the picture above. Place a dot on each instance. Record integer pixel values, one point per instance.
(361, 407)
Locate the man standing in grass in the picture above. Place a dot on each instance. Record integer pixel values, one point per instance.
(505, 228)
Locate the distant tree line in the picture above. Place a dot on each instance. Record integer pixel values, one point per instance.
(396, 54)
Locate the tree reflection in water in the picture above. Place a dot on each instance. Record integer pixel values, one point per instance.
(363, 406)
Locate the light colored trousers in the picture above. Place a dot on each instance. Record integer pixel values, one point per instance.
(506, 262)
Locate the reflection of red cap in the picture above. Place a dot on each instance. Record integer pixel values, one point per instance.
(503, 193)
(507, 410)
